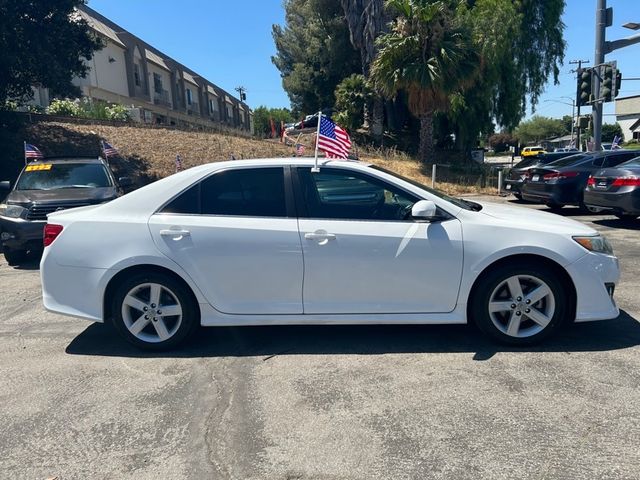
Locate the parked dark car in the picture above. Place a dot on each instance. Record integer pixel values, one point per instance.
(616, 189)
(46, 186)
(517, 173)
(563, 182)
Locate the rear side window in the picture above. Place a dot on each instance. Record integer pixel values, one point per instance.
(257, 192)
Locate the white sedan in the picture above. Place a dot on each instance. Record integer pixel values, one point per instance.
(271, 242)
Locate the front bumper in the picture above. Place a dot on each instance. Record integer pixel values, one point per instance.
(21, 234)
(593, 276)
(620, 202)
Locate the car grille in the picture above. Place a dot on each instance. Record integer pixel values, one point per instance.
(40, 212)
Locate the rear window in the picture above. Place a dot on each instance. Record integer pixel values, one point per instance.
(632, 163)
(570, 160)
(53, 176)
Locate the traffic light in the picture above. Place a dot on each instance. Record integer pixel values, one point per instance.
(583, 122)
(607, 88)
(617, 84)
(585, 76)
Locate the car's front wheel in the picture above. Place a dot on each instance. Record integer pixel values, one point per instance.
(520, 304)
(154, 311)
(13, 256)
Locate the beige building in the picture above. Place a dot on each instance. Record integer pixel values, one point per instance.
(628, 116)
(159, 89)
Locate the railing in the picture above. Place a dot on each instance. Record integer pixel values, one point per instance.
(194, 108)
(162, 98)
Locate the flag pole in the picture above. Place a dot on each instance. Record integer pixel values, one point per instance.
(315, 168)
(24, 150)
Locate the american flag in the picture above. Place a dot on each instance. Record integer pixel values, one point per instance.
(299, 149)
(333, 139)
(178, 163)
(31, 151)
(108, 150)
(616, 143)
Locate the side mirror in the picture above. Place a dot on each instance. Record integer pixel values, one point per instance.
(125, 182)
(424, 210)
(6, 185)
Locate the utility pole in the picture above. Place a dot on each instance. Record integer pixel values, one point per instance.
(577, 119)
(242, 93)
(602, 21)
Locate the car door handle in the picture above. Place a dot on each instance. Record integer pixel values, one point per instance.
(175, 233)
(319, 235)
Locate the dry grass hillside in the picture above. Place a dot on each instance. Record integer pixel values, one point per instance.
(149, 153)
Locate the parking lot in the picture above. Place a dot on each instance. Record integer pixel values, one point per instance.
(331, 402)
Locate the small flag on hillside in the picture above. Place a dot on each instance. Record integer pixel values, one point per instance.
(31, 151)
(108, 150)
(616, 143)
(299, 149)
(178, 163)
(333, 139)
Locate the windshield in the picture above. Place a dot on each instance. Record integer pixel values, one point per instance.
(570, 160)
(51, 176)
(526, 163)
(634, 162)
(458, 202)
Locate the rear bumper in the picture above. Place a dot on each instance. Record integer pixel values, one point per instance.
(590, 275)
(513, 186)
(550, 193)
(625, 202)
(21, 234)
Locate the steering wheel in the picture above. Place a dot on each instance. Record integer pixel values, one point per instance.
(405, 212)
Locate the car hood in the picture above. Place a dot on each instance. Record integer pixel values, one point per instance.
(530, 219)
(61, 195)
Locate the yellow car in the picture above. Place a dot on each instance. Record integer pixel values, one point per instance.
(532, 151)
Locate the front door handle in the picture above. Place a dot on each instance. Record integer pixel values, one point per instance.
(175, 233)
(319, 235)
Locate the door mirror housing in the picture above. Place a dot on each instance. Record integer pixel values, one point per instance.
(6, 185)
(424, 210)
(125, 182)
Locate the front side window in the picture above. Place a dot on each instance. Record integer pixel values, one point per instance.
(257, 192)
(55, 176)
(342, 194)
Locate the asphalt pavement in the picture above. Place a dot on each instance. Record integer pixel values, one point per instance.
(330, 402)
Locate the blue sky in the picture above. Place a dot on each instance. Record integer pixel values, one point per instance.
(230, 43)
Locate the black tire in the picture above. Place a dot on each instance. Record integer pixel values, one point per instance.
(14, 257)
(173, 291)
(626, 216)
(556, 207)
(518, 196)
(496, 326)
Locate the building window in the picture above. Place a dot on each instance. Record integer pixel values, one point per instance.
(636, 135)
(136, 74)
(213, 105)
(157, 83)
(229, 112)
(189, 96)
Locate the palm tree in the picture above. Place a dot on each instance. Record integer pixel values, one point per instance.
(367, 20)
(427, 55)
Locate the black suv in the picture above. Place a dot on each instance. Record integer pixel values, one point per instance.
(45, 186)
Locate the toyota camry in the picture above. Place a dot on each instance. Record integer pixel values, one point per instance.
(266, 242)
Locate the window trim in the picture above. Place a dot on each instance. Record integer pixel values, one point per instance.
(288, 195)
(303, 212)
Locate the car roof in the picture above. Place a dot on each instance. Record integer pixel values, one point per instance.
(68, 159)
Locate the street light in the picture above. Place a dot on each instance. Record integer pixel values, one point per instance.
(632, 25)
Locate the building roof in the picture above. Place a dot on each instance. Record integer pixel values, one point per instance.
(188, 77)
(101, 27)
(157, 59)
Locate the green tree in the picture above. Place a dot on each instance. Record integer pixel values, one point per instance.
(314, 53)
(610, 130)
(352, 96)
(262, 116)
(500, 142)
(42, 43)
(540, 128)
(428, 55)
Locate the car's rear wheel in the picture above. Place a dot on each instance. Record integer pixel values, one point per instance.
(154, 311)
(520, 304)
(554, 206)
(13, 256)
(518, 196)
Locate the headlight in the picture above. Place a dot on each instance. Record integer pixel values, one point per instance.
(12, 211)
(598, 244)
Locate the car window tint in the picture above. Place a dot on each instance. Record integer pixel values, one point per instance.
(188, 202)
(337, 193)
(566, 161)
(247, 192)
(598, 161)
(614, 160)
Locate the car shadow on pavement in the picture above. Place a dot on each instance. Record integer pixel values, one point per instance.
(270, 341)
(619, 223)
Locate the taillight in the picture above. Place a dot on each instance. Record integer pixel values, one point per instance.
(631, 181)
(51, 232)
(560, 175)
(591, 182)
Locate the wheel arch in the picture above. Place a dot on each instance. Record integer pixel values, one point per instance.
(135, 269)
(521, 258)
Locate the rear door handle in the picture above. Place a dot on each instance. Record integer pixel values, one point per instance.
(175, 233)
(319, 235)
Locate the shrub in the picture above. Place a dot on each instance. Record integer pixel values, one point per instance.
(66, 108)
(118, 112)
